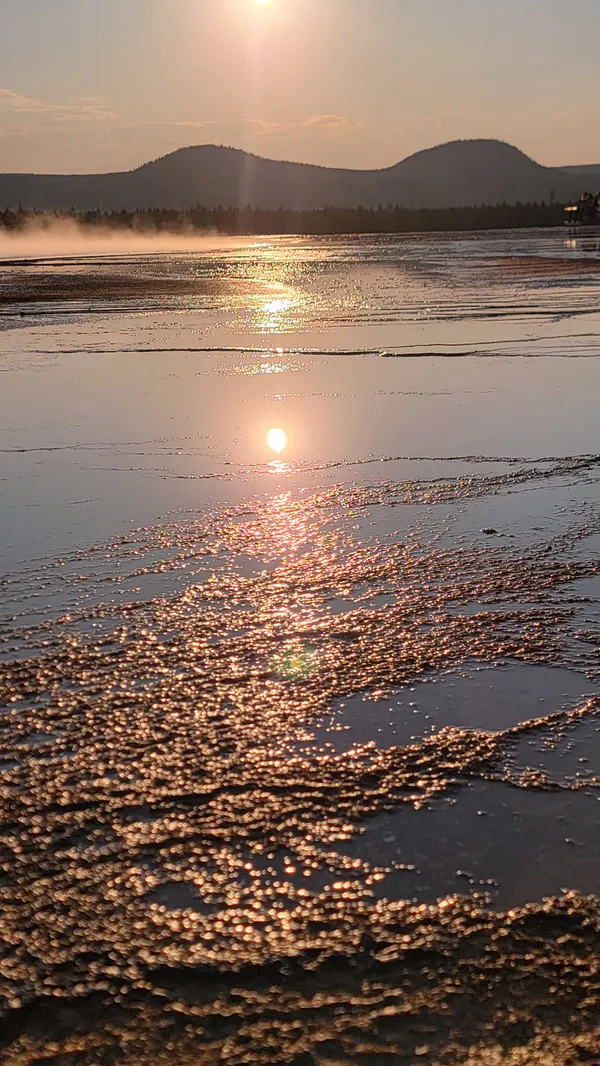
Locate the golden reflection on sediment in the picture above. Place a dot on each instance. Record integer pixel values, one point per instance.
(383, 1016)
(269, 363)
(292, 526)
(145, 754)
(296, 665)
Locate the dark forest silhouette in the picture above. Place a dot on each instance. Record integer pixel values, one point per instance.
(334, 220)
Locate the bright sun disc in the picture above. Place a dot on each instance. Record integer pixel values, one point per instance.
(277, 440)
(262, 3)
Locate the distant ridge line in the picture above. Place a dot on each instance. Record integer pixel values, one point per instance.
(453, 175)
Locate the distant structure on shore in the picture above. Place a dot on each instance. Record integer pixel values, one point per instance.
(458, 174)
(586, 212)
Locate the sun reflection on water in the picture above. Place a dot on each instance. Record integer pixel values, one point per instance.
(277, 440)
(276, 315)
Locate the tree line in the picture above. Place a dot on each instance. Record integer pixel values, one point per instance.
(327, 221)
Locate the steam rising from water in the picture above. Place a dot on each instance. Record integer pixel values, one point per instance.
(67, 237)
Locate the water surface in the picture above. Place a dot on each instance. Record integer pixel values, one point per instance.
(299, 754)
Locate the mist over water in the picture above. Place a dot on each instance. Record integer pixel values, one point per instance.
(55, 238)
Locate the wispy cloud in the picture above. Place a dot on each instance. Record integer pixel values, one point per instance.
(87, 110)
(326, 125)
(20, 115)
(85, 133)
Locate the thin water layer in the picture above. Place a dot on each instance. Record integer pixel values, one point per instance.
(477, 697)
(435, 295)
(307, 769)
(156, 812)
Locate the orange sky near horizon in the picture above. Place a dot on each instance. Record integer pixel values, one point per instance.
(108, 84)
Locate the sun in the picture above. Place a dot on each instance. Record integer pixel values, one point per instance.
(262, 3)
(277, 440)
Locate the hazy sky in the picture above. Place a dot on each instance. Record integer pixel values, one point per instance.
(95, 85)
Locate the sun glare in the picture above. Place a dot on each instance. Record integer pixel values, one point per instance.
(262, 3)
(277, 440)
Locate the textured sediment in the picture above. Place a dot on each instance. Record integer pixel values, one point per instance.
(182, 881)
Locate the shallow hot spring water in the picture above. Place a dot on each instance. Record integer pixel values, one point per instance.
(299, 653)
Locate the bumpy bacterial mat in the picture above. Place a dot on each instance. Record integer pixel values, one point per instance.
(192, 873)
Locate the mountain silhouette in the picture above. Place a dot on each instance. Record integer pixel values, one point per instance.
(457, 174)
